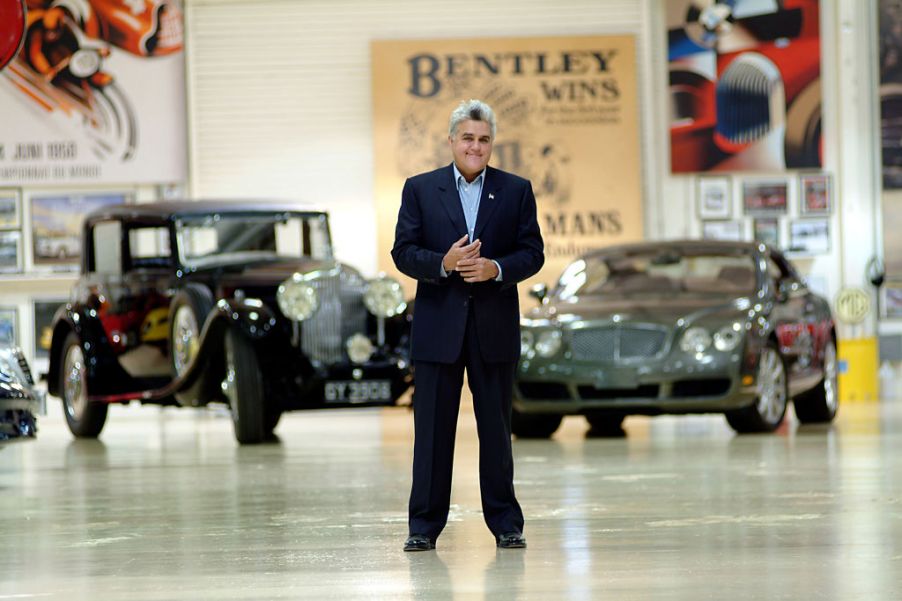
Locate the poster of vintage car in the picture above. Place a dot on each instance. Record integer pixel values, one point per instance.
(56, 222)
(95, 95)
(9, 326)
(745, 88)
(10, 209)
(10, 252)
(809, 236)
(567, 111)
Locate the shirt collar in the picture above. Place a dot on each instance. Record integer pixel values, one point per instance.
(458, 175)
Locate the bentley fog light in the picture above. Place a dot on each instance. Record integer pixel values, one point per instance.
(297, 299)
(384, 297)
(549, 343)
(728, 337)
(695, 340)
(526, 342)
(359, 348)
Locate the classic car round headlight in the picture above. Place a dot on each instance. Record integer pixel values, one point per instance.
(297, 299)
(695, 340)
(549, 343)
(728, 337)
(526, 342)
(384, 297)
(359, 348)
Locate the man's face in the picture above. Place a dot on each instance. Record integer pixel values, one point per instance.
(471, 146)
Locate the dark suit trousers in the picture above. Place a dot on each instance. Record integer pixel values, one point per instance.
(436, 406)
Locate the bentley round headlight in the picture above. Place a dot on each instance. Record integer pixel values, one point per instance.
(384, 297)
(549, 343)
(695, 340)
(728, 337)
(526, 342)
(297, 299)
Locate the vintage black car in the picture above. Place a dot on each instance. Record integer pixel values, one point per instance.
(20, 401)
(676, 327)
(191, 303)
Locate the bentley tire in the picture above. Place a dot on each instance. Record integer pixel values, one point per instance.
(766, 413)
(525, 425)
(188, 312)
(85, 419)
(820, 403)
(243, 387)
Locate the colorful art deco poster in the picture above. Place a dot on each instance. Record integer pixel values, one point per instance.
(745, 88)
(95, 95)
(567, 114)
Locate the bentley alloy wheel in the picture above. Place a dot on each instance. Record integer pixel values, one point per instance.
(766, 413)
(821, 403)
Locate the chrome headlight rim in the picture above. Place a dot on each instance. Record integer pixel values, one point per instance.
(696, 339)
(728, 337)
(297, 298)
(384, 297)
(548, 343)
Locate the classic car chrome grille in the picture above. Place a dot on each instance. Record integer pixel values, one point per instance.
(610, 343)
(341, 313)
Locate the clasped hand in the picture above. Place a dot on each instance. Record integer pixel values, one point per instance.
(465, 259)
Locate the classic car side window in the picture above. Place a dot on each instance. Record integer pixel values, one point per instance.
(149, 247)
(107, 248)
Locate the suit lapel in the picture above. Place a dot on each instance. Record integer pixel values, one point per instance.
(450, 200)
(488, 202)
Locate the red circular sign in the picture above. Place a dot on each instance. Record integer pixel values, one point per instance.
(12, 28)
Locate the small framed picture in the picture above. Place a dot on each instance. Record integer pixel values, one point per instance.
(722, 230)
(11, 252)
(893, 300)
(816, 194)
(765, 197)
(767, 230)
(714, 198)
(10, 209)
(9, 326)
(809, 236)
(44, 310)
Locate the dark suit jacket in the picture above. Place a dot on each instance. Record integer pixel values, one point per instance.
(430, 220)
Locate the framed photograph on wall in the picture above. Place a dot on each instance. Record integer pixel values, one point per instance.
(816, 196)
(9, 326)
(767, 230)
(10, 209)
(714, 198)
(43, 322)
(56, 222)
(11, 252)
(722, 230)
(893, 300)
(765, 197)
(809, 236)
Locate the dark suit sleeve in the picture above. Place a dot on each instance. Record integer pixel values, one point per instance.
(529, 255)
(408, 253)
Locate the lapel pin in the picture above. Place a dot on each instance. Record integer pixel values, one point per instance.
(491, 196)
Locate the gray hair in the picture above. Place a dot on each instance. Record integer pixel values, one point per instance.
(471, 110)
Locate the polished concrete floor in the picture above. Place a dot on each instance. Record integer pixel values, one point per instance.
(167, 507)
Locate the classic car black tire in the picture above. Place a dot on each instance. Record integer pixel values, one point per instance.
(539, 425)
(85, 420)
(245, 391)
(756, 417)
(197, 299)
(820, 403)
(604, 425)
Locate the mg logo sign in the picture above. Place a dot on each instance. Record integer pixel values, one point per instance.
(12, 29)
(852, 305)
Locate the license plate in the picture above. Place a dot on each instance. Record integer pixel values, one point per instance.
(358, 391)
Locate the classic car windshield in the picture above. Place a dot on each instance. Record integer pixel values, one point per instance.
(658, 272)
(225, 238)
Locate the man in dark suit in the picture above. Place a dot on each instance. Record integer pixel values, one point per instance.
(468, 234)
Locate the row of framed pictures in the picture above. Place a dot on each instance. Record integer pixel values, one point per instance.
(805, 236)
(42, 320)
(763, 197)
(51, 231)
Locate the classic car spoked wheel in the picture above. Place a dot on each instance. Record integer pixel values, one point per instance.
(526, 425)
(605, 425)
(243, 387)
(821, 403)
(189, 310)
(766, 413)
(85, 419)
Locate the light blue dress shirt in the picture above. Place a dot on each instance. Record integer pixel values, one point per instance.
(470, 194)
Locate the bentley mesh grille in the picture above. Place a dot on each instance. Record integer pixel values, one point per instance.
(341, 313)
(610, 343)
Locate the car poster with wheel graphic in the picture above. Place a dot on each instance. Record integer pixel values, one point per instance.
(56, 222)
(95, 94)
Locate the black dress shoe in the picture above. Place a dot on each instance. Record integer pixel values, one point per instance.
(419, 542)
(511, 540)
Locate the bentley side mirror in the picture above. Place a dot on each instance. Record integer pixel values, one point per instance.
(539, 292)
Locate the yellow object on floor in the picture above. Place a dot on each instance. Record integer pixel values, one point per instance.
(858, 369)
